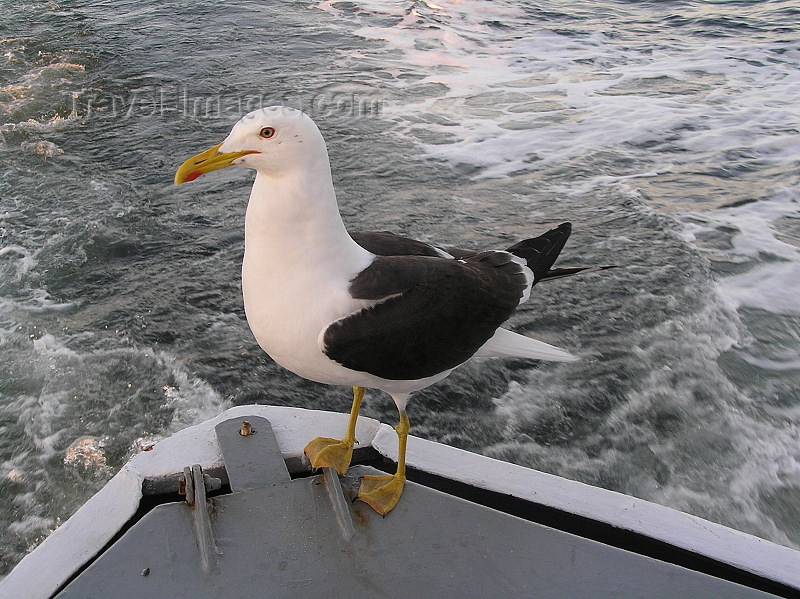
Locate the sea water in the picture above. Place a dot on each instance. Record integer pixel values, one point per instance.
(666, 132)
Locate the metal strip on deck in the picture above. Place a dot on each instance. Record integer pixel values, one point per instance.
(251, 453)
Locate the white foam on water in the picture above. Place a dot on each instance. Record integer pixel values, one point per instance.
(68, 399)
(522, 89)
(772, 283)
(43, 93)
(18, 259)
(788, 362)
(31, 524)
(684, 436)
(20, 291)
(524, 98)
(43, 148)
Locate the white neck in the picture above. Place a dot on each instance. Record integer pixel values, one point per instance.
(293, 221)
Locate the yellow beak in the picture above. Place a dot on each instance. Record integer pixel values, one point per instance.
(205, 162)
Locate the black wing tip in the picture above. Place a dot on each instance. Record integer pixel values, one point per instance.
(541, 252)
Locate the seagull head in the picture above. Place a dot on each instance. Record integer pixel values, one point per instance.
(271, 140)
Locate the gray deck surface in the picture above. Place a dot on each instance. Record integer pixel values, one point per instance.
(276, 537)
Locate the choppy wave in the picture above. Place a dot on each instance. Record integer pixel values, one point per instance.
(72, 417)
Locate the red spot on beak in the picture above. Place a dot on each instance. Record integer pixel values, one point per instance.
(192, 176)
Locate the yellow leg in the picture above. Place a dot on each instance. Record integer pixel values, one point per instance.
(382, 493)
(332, 453)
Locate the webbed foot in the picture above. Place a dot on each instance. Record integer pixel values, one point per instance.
(381, 493)
(330, 453)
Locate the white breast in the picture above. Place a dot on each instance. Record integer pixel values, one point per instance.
(287, 309)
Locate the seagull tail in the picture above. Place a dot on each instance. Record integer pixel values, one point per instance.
(507, 344)
(560, 273)
(541, 252)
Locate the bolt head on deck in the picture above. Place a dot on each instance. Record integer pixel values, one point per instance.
(246, 429)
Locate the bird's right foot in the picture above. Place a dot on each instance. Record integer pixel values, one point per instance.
(330, 453)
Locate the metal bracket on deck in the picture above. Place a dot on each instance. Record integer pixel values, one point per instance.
(253, 459)
(251, 453)
(186, 483)
(194, 485)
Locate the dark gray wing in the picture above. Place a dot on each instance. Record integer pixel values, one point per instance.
(539, 252)
(384, 243)
(435, 315)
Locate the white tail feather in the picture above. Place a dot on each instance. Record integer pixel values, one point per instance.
(507, 344)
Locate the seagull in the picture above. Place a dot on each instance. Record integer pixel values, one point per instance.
(370, 310)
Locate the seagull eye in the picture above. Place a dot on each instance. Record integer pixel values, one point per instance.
(267, 132)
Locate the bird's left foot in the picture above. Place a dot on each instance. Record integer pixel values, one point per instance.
(381, 493)
(330, 453)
